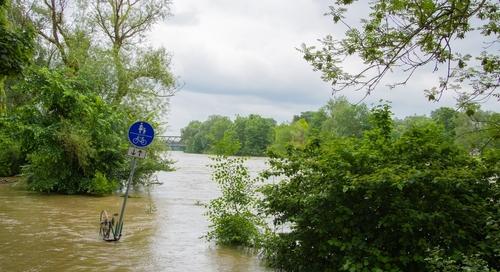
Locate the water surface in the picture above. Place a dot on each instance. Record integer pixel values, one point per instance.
(161, 231)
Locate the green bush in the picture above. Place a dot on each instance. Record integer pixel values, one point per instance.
(74, 140)
(235, 230)
(231, 215)
(380, 202)
(100, 185)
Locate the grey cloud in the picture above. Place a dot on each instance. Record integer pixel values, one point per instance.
(239, 56)
(183, 19)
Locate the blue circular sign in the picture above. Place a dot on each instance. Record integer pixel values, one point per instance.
(141, 134)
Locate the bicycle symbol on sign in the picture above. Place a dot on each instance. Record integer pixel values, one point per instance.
(139, 139)
(141, 134)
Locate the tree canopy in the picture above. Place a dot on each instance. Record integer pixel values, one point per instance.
(385, 201)
(219, 135)
(68, 113)
(405, 36)
(476, 132)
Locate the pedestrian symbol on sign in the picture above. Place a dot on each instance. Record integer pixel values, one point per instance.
(142, 130)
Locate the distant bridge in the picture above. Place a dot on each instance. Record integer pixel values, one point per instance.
(174, 142)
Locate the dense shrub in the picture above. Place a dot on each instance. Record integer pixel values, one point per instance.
(381, 202)
(75, 142)
(100, 185)
(235, 230)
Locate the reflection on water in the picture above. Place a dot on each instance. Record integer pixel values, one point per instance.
(60, 233)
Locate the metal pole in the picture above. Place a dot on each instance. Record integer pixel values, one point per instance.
(120, 221)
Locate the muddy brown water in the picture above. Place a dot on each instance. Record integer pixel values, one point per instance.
(162, 230)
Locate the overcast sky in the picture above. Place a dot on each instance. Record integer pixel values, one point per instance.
(239, 57)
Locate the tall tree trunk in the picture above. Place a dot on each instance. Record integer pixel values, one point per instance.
(122, 78)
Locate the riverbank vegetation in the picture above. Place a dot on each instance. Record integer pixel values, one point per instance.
(78, 74)
(475, 131)
(397, 196)
(383, 201)
(359, 190)
(248, 136)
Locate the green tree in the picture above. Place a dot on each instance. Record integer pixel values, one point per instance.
(60, 43)
(79, 35)
(405, 36)
(215, 128)
(16, 49)
(203, 137)
(438, 261)
(314, 119)
(381, 202)
(73, 139)
(218, 134)
(231, 214)
(189, 137)
(286, 135)
(255, 134)
(400, 126)
(11, 156)
(228, 145)
(124, 23)
(344, 118)
(73, 92)
(446, 117)
(478, 132)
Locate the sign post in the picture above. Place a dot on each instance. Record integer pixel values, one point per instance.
(140, 134)
(119, 226)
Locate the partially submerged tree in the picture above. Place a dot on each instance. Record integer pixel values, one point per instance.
(232, 217)
(406, 36)
(72, 96)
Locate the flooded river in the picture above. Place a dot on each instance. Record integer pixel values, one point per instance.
(161, 231)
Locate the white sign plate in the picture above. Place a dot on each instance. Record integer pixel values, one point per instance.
(136, 152)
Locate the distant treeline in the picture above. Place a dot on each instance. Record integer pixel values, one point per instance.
(255, 135)
(250, 135)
